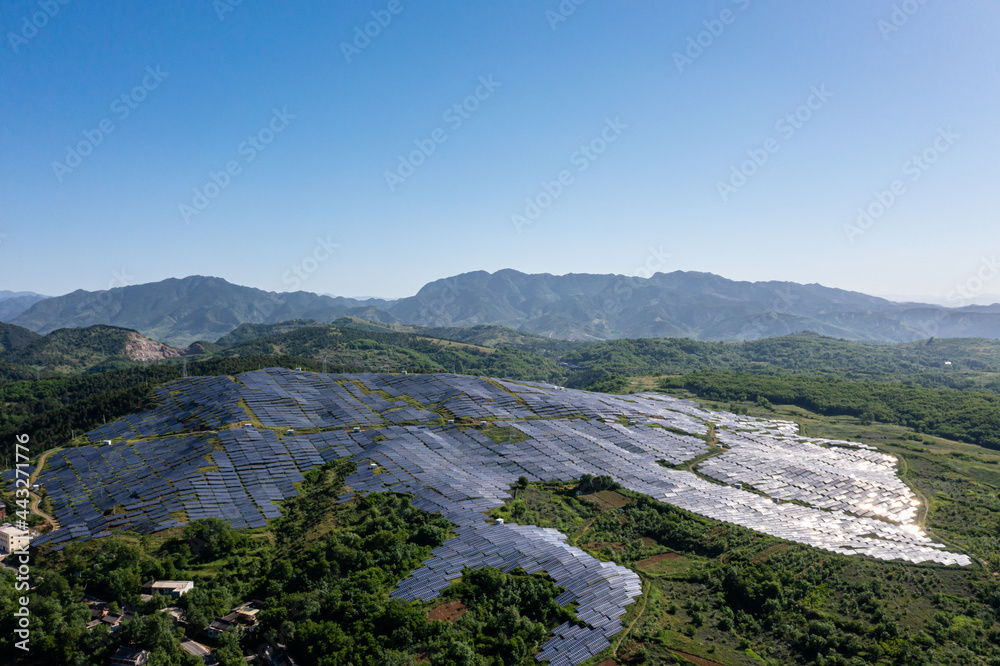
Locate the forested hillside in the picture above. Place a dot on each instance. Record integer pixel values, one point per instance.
(393, 352)
(13, 338)
(803, 353)
(966, 416)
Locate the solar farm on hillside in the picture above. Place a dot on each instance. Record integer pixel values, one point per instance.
(198, 455)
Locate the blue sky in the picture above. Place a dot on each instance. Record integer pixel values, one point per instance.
(740, 138)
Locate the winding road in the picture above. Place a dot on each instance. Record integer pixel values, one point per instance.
(36, 498)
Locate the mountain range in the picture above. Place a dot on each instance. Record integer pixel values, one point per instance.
(700, 306)
(13, 303)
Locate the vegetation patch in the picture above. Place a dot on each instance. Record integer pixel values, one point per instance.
(606, 499)
(502, 434)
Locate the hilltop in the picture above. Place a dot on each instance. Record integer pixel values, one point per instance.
(179, 312)
(73, 350)
(480, 336)
(385, 349)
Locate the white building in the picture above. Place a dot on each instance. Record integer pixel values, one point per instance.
(12, 538)
(172, 588)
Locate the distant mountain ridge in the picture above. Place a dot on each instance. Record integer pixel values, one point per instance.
(702, 306)
(13, 303)
(181, 311)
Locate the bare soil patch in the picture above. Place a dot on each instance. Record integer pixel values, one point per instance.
(700, 661)
(448, 612)
(650, 561)
(607, 499)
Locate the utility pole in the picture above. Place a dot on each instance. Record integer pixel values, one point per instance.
(185, 361)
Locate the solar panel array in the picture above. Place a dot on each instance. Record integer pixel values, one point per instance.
(550, 400)
(857, 480)
(160, 476)
(287, 399)
(195, 403)
(602, 590)
(135, 486)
